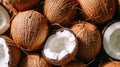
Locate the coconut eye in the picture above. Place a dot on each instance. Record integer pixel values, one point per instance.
(4, 19)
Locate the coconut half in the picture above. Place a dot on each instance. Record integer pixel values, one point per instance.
(9, 54)
(61, 47)
(111, 40)
(4, 19)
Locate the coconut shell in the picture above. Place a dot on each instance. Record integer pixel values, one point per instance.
(29, 30)
(98, 11)
(14, 52)
(21, 5)
(67, 58)
(60, 11)
(74, 64)
(34, 60)
(89, 40)
(111, 64)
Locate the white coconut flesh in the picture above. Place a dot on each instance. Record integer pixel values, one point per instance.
(111, 40)
(4, 55)
(4, 19)
(59, 45)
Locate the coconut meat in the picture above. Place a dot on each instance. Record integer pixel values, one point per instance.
(4, 19)
(59, 45)
(4, 55)
(111, 40)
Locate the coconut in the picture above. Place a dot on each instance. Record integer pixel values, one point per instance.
(60, 47)
(98, 11)
(111, 39)
(20, 5)
(9, 53)
(89, 40)
(60, 11)
(4, 19)
(29, 30)
(75, 64)
(111, 64)
(34, 60)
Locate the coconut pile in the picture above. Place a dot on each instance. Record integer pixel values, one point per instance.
(59, 33)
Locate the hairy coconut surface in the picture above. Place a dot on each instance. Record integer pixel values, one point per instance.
(89, 40)
(98, 11)
(20, 5)
(10, 54)
(60, 11)
(34, 60)
(4, 19)
(61, 47)
(74, 64)
(29, 30)
(111, 64)
(111, 39)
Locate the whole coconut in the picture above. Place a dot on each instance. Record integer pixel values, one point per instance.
(29, 30)
(20, 5)
(34, 60)
(60, 11)
(98, 11)
(111, 64)
(89, 40)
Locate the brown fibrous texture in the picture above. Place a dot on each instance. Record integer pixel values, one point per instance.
(60, 11)
(29, 30)
(21, 5)
(98, 11)
(89, 40)
(111, 64)
(14, 52)
(34, 60)
(66, 59)
(75, 64)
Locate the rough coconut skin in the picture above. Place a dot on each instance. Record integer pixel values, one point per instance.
(65, 59)
(89, 40)
(29, 30)
(14, 52)
(60, 11)
(34, 60)
(98, 11)
(111, 64)
(75, 64)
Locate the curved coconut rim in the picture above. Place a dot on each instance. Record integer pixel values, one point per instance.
(108, 51)
(66, 58)
(7, 18)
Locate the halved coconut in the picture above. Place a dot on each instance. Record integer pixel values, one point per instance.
(61, 47)
(34, 60)
(111, 40)
(4, 19)
(9, 53)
